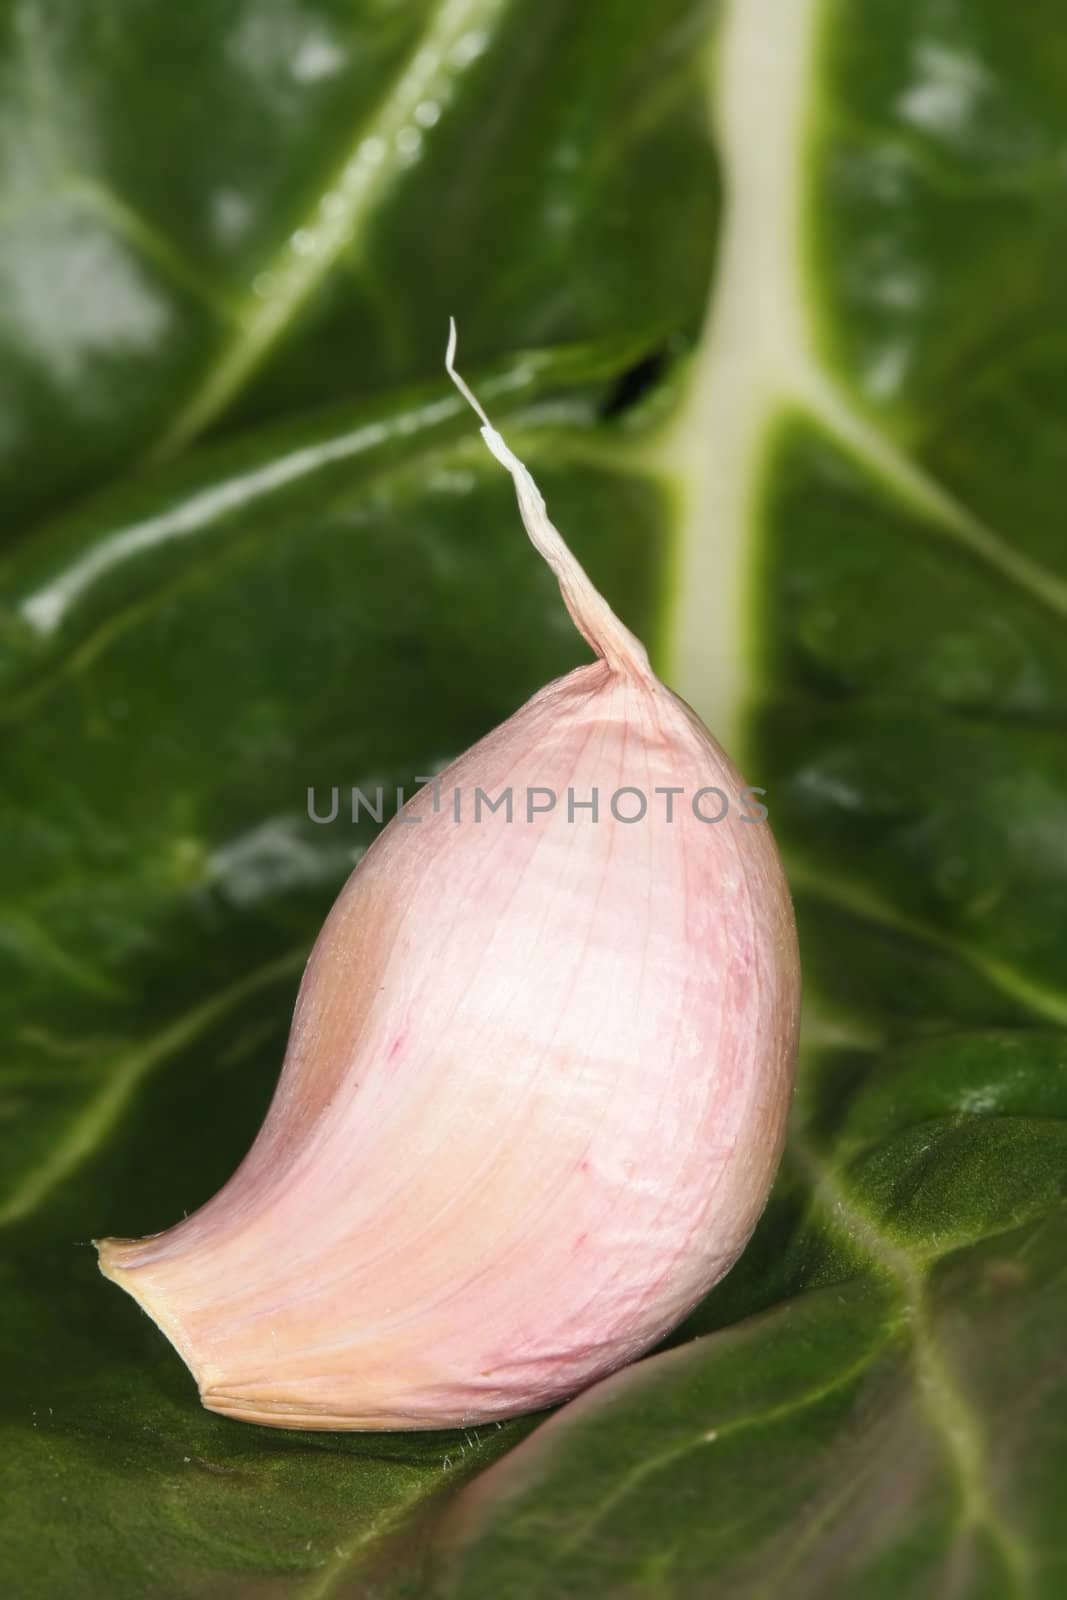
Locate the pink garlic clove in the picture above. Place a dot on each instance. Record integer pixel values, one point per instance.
(537, 1082)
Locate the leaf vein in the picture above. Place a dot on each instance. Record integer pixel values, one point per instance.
(95, 1122)
(375, 158)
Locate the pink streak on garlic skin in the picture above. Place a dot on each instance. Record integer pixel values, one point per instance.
(598, 1036)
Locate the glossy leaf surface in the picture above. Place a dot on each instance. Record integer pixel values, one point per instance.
(253, 546)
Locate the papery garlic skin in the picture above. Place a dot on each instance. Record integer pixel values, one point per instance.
(536, 1087)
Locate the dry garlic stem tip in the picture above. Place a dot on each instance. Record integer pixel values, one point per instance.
(591, 614)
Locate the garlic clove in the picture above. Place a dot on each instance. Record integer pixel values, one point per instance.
(537, 1081)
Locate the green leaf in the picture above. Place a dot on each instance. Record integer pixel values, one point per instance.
(219, 214)
(810, 442)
